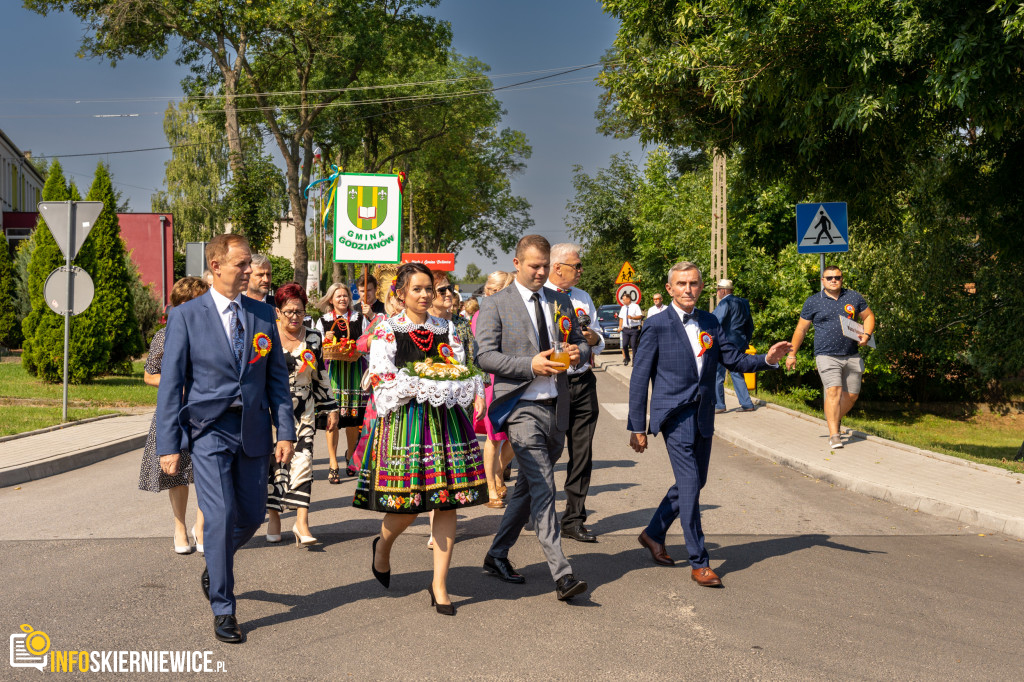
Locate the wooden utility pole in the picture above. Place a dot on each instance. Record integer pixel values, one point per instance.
(719, 241)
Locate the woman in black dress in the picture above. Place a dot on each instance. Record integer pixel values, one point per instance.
(341, 322)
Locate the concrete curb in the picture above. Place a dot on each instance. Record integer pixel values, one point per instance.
(1001, 523)
(1009, 525)
(69, 461)
(57, 427)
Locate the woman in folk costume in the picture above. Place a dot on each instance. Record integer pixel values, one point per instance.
(422, 454)
(340, 324)
(291, 484)
(385, 275)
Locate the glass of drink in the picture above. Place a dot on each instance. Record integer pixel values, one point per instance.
(560, 353)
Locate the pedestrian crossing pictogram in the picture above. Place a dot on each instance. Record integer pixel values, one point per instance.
(822, 228)
(626, 274)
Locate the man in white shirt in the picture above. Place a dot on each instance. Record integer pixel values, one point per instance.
(678, 358)
(515, 334)
(630, 319)
(656, 308)
(566, 267)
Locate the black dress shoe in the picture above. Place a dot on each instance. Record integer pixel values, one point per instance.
(579, 533)
(225, 628)
(503, 569)
(205, 581)
(568, 587)
(383, 577)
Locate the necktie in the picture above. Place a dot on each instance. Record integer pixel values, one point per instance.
(688, 316)
(237, 333)
(542, 324)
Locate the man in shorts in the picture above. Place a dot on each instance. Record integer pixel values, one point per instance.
(840, 366)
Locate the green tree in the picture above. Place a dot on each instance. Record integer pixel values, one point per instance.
(910, 111)
(254, 201)
(44, 256)
(196, 175)
(259, 48)
(113, 305)
(601, 216)
(281, 272)
(22, 302)
(8, 304)
(43, 351)
(473, 274)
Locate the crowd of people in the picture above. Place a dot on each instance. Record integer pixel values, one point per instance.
(417, 378)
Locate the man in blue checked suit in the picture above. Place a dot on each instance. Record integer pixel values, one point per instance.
(223, 382)
(677, 356)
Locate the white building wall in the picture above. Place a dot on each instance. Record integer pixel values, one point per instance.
(21, 186)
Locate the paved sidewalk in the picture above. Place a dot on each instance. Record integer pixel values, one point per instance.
(985, 497)
(39, 455)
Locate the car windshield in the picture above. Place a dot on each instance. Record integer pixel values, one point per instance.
(607, 313)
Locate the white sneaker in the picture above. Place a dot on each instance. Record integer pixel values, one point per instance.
(835, 442)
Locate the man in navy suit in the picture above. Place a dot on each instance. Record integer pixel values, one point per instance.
(733, 314)
(677, 356)
(223, 382)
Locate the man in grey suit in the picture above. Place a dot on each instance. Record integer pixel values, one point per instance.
(515, 333)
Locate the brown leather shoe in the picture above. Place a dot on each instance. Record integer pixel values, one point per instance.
(495, 503)
(657, 550)
(705, 577)
(503, 491)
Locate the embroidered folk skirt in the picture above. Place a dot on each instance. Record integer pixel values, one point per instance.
(345, 383)
(418, 458)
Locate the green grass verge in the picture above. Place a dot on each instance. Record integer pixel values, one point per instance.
(108, 391)
(984, 438)
(21, 418)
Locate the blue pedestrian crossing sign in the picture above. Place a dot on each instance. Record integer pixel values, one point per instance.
(822, 228)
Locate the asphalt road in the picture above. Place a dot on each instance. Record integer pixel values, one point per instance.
(821, 583)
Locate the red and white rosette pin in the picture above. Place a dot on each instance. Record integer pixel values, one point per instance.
(308, 359)
(564, 327)
(446, 352)
(850, 310)
(705, 341)
(261, 345)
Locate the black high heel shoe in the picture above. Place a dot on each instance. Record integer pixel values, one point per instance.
(443, 609)
(383, 577)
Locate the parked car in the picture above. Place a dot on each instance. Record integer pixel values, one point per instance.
(608, 321)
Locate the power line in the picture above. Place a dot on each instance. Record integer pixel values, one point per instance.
(353, 119)
(365, 102)
(382, 86)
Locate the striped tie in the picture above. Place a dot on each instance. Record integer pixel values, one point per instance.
(237, 334)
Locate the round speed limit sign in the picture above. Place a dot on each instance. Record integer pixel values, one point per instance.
(627, 288)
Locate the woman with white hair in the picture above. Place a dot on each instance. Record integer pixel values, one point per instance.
(341, 321)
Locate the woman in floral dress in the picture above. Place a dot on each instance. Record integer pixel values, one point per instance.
(422, 454)
(291, 485)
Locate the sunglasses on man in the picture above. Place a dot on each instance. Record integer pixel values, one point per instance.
(833, 278)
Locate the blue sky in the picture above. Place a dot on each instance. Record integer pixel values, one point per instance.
(43, 79)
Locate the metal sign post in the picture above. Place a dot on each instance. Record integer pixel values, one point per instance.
(67, 311)
(69, 223)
